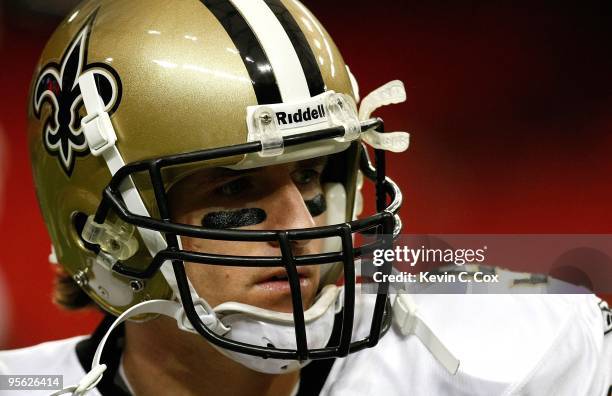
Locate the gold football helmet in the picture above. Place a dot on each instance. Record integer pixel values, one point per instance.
(130, 97)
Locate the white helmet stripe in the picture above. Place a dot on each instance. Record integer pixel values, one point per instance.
(283, 58)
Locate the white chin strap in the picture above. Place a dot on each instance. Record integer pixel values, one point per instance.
(238, 322)
(262, 327)
(407, 318)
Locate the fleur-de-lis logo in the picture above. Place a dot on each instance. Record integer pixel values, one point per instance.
(58, 85)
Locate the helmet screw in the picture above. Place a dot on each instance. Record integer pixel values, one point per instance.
(136, 285)
(266, 118)
(114, 245)
(81, 278)
(102, 292)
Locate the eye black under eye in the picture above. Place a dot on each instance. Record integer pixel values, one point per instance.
(317, 205)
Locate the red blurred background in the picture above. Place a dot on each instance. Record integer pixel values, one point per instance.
(509, 105)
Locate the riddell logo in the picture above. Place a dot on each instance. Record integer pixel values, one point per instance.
(309, 114)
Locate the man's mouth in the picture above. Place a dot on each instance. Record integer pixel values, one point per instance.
(278, 280)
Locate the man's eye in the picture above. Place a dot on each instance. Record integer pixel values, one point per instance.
(233, 187)
(305, 176)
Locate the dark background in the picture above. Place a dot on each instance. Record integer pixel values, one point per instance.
(509, 105)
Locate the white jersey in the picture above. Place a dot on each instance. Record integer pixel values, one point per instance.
(507, 345)
(49, 358)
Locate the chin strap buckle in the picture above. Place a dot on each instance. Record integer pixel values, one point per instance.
(207, 316)
(87, 383)
(91, 379)
(99, 132)
(406, 317)
(97, 126)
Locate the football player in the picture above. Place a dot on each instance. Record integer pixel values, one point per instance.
(199, 167)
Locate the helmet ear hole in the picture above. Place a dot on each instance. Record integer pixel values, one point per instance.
(78, 221)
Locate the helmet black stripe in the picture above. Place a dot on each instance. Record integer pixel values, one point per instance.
(316, 85)
(253, 55)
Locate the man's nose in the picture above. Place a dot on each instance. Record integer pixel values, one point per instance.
(288, 211)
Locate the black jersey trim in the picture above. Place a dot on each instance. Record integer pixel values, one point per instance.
(111, 383)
